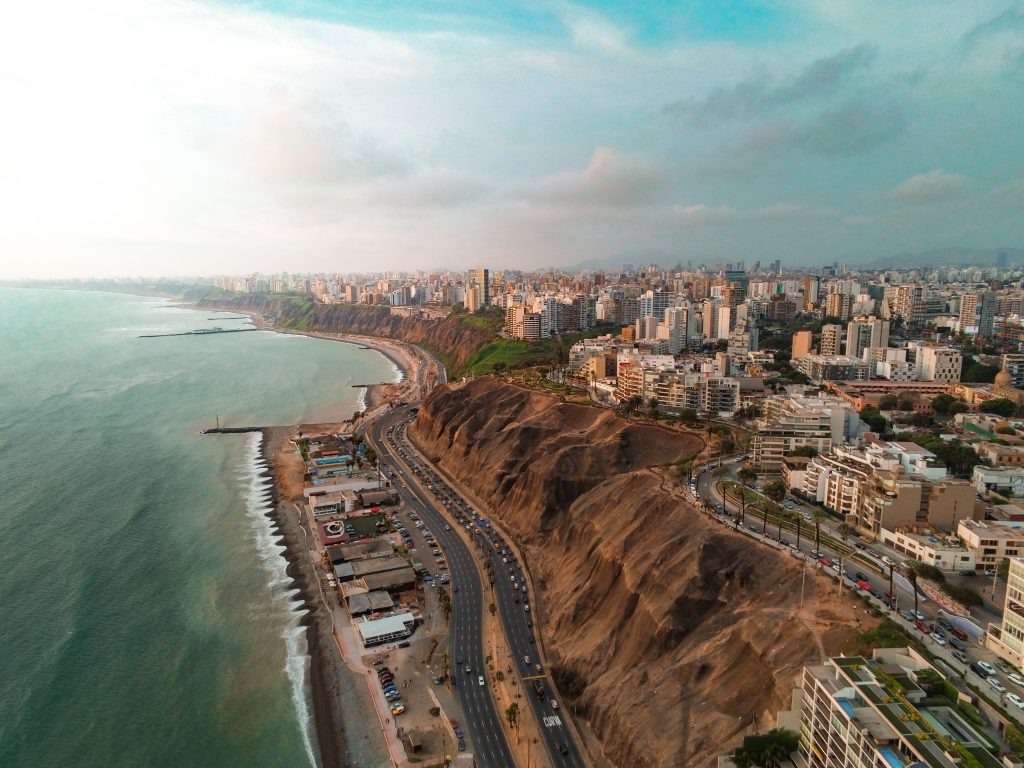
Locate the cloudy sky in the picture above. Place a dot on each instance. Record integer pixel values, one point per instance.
(171, 137)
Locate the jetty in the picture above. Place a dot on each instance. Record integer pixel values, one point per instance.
(210, 332)
(230, 430)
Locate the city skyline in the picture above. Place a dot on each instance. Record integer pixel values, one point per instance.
(157, 138)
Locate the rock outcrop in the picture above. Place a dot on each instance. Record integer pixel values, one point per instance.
(669, 632)
(453, 339)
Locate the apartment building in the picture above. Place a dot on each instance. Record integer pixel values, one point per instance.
(1007, 637)
(888, 486)
(802, 341)
(1008, 481)
(831, 339)
(833, 368)
(939, 364)
(848, 718)
(676, 390)
(794, 420)
(865, 332)
(991, 543)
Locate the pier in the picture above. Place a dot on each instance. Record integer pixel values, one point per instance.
(196, 333)
(230, 430)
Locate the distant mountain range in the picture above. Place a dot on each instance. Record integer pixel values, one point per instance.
(950, 257)
(940, 257)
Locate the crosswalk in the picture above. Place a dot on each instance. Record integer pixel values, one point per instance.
(552, 721)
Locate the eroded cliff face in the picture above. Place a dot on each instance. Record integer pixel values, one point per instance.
(670, 633)
(452, 339)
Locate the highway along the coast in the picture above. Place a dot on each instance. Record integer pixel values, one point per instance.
(511, 595)
(480, 717)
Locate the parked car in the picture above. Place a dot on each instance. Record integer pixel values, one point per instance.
(1016, 679)
(1016, 700)
(983, 668)
(995, 685)
(923, 627)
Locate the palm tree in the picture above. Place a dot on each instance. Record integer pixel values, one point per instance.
(912, 576)
(652, 408)
(818, 517)
(512, 715)
(891, 568)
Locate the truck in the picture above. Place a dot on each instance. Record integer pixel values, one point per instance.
(538, 688)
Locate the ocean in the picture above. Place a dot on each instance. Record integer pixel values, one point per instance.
(145, 617)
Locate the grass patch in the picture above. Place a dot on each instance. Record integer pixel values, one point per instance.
(513, 353)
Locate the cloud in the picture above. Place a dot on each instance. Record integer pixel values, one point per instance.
(590, 30)
(725, 214)
(928, 187)
(609, 179)
(757, 96)
(1010, 20)
(303, 143)
(852, 129)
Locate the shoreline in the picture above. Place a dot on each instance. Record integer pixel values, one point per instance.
(324, 693)
(328, 669)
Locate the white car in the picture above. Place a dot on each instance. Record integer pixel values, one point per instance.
(987, 668)
(1016, 700)
(995, 685)
(481, 679)
(1016, 679)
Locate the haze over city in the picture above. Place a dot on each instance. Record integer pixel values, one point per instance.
(150, 138)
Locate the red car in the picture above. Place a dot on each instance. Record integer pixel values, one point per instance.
(864, 585)
(923, 627)
(824, 561)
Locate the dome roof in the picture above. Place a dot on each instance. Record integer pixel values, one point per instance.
(1004, 379)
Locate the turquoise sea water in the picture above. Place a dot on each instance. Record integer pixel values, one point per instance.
(144, 612)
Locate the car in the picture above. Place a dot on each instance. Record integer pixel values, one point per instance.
(526, 607)
(562, 748)
(382, 670)
(404, 644)
(480, 680)
(860, 576)
(398, 709)
(938, 639)
(858, 545)
(1016, 700)
(959, 644)
(960, 655)
(995, 685)
(469, 669)
(984, 668)
(526, 659)
(825, 562)
(923, 627)
(908, 615)
(554, 704)
(1016, 679)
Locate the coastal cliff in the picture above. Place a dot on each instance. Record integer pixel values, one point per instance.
(668, 633)
(453, 339)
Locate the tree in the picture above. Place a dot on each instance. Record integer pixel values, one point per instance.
(921, 420)
(905, 401)
(746, 476)
(818, 517)
(652, 408)
(942, 403)
(688, 416)
(776, 491)
(888, 402)
(874, 419)
(804, 450)
(512, 715)
(892, 568)
(912, 576)
(632, 404)
(767, 750)
(1001, 406)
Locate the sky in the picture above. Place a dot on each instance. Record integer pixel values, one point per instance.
(173, 137)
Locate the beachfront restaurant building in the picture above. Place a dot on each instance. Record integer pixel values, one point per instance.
(390, 628)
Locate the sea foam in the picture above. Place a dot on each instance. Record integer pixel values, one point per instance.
(259, 492)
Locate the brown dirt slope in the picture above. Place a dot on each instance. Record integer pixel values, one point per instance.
(669, 632)
(452, 339)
